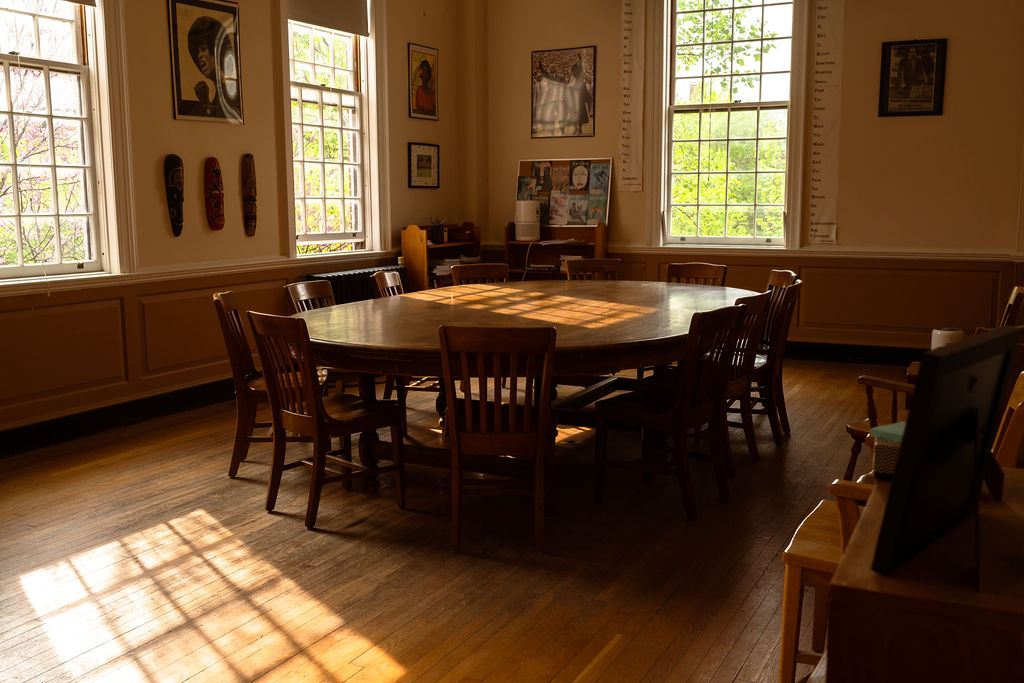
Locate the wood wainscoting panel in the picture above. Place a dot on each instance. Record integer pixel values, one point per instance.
(165, 316)
(61, 349)
(895, 304)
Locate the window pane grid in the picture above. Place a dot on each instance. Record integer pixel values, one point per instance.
(327, 139)
(46, 206)
(729, 114)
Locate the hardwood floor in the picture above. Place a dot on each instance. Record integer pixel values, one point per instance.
(131, 555)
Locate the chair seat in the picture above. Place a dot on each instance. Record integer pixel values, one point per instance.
(817, 542)
(347, 407)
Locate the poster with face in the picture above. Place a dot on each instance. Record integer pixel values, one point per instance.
(205, 60)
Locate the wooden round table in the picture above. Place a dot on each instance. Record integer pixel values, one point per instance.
(603, 326)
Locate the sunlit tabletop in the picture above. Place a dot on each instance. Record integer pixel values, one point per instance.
(602, 326)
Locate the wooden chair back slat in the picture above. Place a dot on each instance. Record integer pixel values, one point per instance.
(706, 355)
(748, 342)
(1013, 312)
(1008, 446)
(778, 322)
(310, 294)
(479, 273)
(239, 354)
(593, 268)
(289, 368)
(696, 273)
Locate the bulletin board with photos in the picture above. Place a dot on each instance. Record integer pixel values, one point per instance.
(570, 191)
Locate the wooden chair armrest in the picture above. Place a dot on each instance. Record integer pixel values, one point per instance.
(844, 488)
(885, 383)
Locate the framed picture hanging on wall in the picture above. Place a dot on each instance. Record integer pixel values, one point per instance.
(424, 165)
(913, 76)
(206, 74)
(422, 82)
(564, 83)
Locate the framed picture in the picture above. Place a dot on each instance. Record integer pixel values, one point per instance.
(422, 82)
(563, 92)
(424, 165)
(206, 74)
(913, 74)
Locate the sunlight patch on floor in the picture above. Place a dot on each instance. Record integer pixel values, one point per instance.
(178, 599)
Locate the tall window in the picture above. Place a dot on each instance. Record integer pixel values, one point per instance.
(327, 108)
(47, 200)
(729, 117)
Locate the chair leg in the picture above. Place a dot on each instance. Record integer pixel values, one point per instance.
(792, 595)
(245, 422)
(316, 482)
(600, 459)
(747, 413)
(347, 447)
(820, 618)
(456, 506)
(397, 457)
(539, 486)
(854, 452)
(780, 402)
(276, 467)
(389, 386)
(720, 454)
(768, 399)
(682, 461)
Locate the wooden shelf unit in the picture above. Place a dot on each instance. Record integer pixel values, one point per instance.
(591, 242)
(417, 253)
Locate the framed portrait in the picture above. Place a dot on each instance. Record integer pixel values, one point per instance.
(913, 74)
(206, 76)
(564, 83)
(422, 82)
(424, 165)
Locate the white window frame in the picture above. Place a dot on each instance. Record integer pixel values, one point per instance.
(371, 158)
(95, 159)
(661, 197)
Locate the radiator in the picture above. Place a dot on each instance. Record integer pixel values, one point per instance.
(353, 285)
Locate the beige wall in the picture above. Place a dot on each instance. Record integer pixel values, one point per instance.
(154, 133)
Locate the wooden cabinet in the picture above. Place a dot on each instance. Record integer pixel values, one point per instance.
(542, 257)
(421, 249)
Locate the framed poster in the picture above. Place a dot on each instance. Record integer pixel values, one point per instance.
(424, 165)
(913, 76)
(562, 102)
(570, 191)
(422, 82)
(206, 76)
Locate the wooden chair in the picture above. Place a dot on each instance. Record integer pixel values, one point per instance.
(696, 273)
(899, 394)
(387, 283)
(298, 406)
(1008, 445)
(766, 384)
(250, 387)
(593, 268)
(307, 295)
(687, 396)
(501, 413)
(741, 371)
(811, 558)
(479, 273)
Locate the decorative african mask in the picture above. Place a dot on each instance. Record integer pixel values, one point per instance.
(249, 194)
(174, 182)
(214, 194)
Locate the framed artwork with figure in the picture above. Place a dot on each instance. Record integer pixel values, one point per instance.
(206, 74)
(564, 83)
(422, 82)
(913, 77)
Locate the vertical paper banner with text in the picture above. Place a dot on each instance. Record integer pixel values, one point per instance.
(631, 134)
(826, 96)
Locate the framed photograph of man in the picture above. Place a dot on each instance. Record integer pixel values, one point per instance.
(424, 165)
(913, 75)
(206, 76)
(422, 82)
(564, 83)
